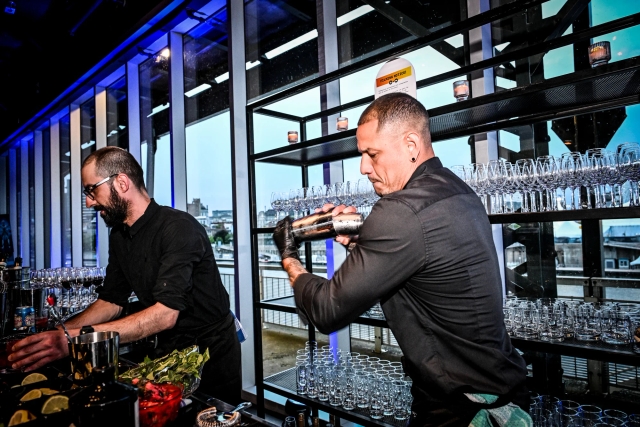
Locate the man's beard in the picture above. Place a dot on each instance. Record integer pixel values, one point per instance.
(116, 212)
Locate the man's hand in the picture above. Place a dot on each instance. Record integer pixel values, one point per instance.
(342, 239)
(283, 237)
(38, 350)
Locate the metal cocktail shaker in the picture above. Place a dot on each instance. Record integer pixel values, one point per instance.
(324, 225)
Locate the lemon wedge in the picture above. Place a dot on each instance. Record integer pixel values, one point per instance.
(32, 395)
(33, 378)
(20, 417)
(55, 404)
(48, 391)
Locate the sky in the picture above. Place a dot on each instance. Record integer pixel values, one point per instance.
(209, 152)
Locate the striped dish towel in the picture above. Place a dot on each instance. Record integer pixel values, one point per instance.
(509, 415)
(242, 336)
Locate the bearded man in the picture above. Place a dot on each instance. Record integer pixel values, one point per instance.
(164, 256)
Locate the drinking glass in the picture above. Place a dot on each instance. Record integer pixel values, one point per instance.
(376, 391)
(322, 381)
(276, 205)
(349, 401)
(546, 173)
(403, 401)
(496, 179)
(552, 323)
(301, 374)
(312, 377)
(571, 167)
(588, 323)
(616, 327)
(614, 416)
(526, 172)
(336, 386)
(362, 388)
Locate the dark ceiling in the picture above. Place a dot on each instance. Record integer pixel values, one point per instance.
(46, 45)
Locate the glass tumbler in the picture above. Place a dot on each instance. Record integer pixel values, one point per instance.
(301, 374)
(588, 323)
(552, 323)
(336, 386)
(376, 400)
(616, 327)
(349, 401)
(403, 401)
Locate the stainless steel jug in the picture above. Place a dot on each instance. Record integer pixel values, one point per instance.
(96, 349)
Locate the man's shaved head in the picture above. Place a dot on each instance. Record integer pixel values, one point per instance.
(395, 109)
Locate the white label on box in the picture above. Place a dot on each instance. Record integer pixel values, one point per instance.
(397, 75)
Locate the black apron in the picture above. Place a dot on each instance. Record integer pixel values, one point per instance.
(221, 376)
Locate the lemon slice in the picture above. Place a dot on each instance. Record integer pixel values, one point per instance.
(55, 404)
(33, 378)
(33, 394)
(48, 391)
(21, 416)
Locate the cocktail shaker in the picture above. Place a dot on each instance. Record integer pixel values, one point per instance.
(324, 225)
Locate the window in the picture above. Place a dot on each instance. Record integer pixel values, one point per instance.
(30, 258)
(65, 189)
(364, 30)
(89, 216)
(117, 114)
(281, 44)
(609, 264)
(155, 140)
(623, 263)
(208, 141)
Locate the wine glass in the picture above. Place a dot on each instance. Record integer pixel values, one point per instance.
(572, 167)
(276, 205)
(78, 283)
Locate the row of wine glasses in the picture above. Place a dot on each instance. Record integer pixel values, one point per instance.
(548, 183)
(299, 202)
(67, 281)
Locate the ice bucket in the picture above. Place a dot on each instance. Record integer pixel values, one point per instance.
(93, 350)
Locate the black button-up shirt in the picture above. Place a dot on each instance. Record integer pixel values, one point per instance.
(427, 253)
(166, 257)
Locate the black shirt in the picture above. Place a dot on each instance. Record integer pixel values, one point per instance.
(166, 257)
(427, 253)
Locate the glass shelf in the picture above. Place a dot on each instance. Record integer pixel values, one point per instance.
(572, 215)
(593, 351)
(613, 85)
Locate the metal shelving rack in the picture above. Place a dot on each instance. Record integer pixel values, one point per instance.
(584, 91)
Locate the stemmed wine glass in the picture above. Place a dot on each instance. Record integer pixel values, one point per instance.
(572, 167)
(276, 204)
(78, 283)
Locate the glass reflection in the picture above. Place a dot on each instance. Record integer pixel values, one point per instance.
(364, 30)
(281, 44)
(117, 114)
(154, 122)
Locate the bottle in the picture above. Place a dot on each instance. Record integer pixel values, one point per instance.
(324, 225)
(105, 403)
(315, 422)
(334, 421)
(301, 421)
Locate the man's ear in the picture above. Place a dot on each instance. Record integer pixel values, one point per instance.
(122, 183)
(413, 143)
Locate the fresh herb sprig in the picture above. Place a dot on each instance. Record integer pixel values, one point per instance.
(180, 366)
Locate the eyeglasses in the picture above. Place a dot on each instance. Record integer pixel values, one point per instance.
(88, 191)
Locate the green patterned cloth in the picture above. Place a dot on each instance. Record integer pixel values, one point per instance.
(509, 415)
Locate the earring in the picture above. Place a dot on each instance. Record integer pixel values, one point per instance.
(413, 160)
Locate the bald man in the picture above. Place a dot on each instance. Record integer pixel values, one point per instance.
(426, 252)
